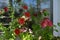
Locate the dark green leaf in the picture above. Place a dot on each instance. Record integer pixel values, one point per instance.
(56, 30)
(46, 13)
(58, 24)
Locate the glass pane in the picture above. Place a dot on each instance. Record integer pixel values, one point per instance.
(45, 4)
(4, 16)
(3, 3)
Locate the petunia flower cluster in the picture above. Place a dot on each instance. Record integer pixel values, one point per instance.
(46, 22)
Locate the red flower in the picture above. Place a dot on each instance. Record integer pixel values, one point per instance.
(25, 7)
(27, 14)
(21, 21)
(5, 9)
(17, 31)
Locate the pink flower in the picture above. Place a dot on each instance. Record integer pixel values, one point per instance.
(23, 30)
(50, 23)
(46, 22)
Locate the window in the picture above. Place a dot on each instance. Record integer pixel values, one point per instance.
(3, 3)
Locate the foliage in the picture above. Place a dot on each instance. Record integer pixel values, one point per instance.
(26, 26)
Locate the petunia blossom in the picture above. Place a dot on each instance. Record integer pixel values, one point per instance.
(17, 31)
(27, 14)
(25, 7)
(5, 9)
(21, 20)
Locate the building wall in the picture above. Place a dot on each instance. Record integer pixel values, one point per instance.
(56, 16)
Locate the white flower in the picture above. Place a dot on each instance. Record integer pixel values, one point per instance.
(26, 18)
(39, 38)
(23, 17)
(30, 31)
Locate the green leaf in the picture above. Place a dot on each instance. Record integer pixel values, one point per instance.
(56, 30)
(11, 39)
(58, 24)
(46, 13)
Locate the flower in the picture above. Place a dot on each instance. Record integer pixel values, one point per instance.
(46, 22)
(21, 21)
(40, 37)
(27, 14)
(25, 7)
(23, 30)
(17, 31)
(23, 17)
(5, 9)
(26, 18)
(50, 23)
(30, 31)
